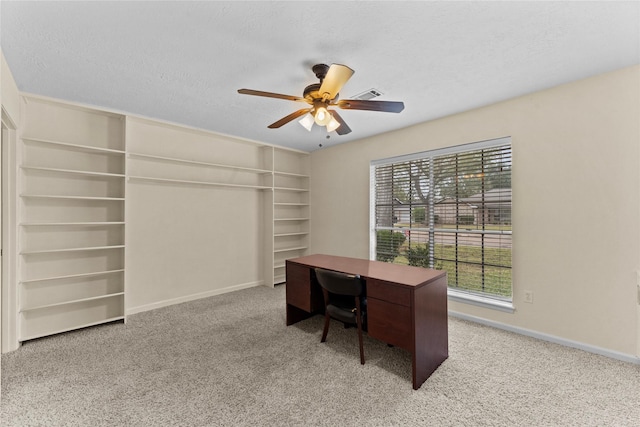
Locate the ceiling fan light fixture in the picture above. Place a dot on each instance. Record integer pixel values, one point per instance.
(307, 121)
(333, 124)
(322, 117)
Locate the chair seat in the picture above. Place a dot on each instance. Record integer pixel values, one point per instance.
(344, 310)
(341, 314)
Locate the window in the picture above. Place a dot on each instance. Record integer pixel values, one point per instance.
(448, 209)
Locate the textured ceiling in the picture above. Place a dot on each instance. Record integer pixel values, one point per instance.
(184, 61)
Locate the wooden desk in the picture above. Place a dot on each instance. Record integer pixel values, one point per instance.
(406, 306)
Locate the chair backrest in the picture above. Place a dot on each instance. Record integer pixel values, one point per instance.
(340, 283)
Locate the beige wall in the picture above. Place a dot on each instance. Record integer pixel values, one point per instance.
(576, 212)
(189, 241)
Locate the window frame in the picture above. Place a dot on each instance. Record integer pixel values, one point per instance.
(475, 298)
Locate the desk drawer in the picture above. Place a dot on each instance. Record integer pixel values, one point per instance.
(303, 290)
(388, 292)
(389, 322)
(299, 286)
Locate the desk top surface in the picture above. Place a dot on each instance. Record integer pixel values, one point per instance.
(396, 273)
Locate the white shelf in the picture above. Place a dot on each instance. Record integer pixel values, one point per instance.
(279, 266)
(45, 196)
(77, 147)
(77, 301)
(193, 162)
(72, 276)
(300, 233)
(73, 171)
(72, 328)
(291, 219)
(297, 175)
(79, 224)
(279, 279)
(291, 204)
(51, 251)
(186, 182)
(291, 189)
(299, 248)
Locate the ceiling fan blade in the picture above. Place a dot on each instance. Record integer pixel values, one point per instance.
(287, 119)
(336, 77)
(343, 129)
(271, 95)
(385, 106)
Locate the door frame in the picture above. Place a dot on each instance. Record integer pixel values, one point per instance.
(8, 234)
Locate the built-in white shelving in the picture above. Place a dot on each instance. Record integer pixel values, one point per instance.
(71, 239)
(76, 168)
(290, 209)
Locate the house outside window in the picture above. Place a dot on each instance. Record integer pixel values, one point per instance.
(448, 209)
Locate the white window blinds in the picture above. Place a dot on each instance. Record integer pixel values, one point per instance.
(449, 210)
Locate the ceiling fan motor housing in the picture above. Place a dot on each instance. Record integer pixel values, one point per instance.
(320, 71)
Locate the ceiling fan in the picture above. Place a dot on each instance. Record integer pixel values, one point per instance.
(323, 95)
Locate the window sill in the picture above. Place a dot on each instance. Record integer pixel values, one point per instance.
(468, 298)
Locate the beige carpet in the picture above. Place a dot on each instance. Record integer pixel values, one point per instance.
(229, 360)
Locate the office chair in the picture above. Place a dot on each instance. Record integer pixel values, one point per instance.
(344, 300)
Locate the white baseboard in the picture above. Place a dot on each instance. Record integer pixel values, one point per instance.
(550, 338)
(192, 297)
